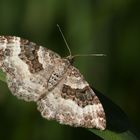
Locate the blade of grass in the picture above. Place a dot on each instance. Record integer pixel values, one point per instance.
(2, 76)
(110, 135)
(118, 124)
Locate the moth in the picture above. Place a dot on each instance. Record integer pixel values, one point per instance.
(35, 73)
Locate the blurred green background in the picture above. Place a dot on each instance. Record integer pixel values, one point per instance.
(90, 26)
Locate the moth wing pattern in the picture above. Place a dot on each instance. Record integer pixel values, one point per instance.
(73, 102)
(27, 66)
(35, 73)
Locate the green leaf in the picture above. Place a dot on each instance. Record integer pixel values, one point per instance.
(118, 124)
(110, 135)
(2, 76)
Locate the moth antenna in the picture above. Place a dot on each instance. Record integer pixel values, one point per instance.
(96, 54)
(77, 55)
(70, 54)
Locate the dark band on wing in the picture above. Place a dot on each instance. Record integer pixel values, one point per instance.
(29, 55)
(82, 97)
(1, 55)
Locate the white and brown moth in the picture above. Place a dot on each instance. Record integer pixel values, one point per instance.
(35, 73)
